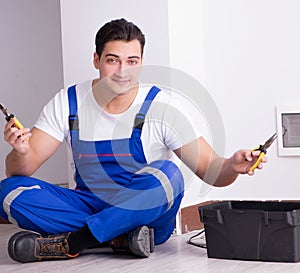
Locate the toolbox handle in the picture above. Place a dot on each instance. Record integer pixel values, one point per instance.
(292, 218)
(220, 217)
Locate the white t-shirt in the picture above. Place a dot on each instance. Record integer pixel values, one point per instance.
(171, 122)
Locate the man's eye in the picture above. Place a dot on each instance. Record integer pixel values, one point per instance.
(133, 62)
(111, 61)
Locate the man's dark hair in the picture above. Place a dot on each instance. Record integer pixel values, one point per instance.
(119, 29)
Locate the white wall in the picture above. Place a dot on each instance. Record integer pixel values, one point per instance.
(246, 54)
(82, 19)
(31, 69)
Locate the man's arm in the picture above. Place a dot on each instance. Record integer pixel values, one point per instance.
(213, 169)
(30, 149)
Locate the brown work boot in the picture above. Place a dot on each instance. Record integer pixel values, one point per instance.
(139, 242)
(26, 246)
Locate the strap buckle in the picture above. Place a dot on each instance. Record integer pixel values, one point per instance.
(73, 123)
(139, 121)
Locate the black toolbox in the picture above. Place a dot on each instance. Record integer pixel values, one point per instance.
(252, 230)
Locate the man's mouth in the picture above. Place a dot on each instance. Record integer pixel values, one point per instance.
(121, 81)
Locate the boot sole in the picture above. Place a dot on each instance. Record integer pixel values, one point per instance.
(141, 241)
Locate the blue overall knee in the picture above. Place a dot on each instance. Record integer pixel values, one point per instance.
(46, 208)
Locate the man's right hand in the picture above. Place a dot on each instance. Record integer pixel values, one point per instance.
(17, 138)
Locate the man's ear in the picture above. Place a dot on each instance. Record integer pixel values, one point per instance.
(96, 60)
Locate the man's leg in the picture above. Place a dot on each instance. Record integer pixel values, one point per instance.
(38, 206)
(35, 205)
(153, 200)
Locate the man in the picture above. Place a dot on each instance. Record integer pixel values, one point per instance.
(122, 136)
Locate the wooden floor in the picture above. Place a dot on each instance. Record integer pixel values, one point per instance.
(173, 256)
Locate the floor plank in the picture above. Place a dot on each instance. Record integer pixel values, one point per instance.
(173, 256)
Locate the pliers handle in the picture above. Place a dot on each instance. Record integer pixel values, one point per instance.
(260, 157)
(17, 123)
(263, 151)
(9, 116)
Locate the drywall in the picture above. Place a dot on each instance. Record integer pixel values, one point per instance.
(31, 69)
(246, 54)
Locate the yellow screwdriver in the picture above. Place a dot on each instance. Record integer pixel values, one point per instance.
(9, 116)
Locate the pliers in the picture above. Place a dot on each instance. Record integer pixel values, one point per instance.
(263, 151)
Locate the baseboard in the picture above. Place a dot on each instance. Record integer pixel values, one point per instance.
(3, 221)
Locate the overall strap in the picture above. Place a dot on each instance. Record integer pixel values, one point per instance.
(73, 117)
(140, 116)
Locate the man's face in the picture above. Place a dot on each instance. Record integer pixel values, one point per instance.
(119, 65)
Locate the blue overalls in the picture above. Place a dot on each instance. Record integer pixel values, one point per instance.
(116, 190)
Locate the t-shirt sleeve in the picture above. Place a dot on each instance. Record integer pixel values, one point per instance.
(53, 119)
(184, 123)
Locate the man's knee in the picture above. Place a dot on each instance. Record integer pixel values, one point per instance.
(173, 173)
(12, 183)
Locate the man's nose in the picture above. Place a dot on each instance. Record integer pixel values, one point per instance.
(122, 70)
